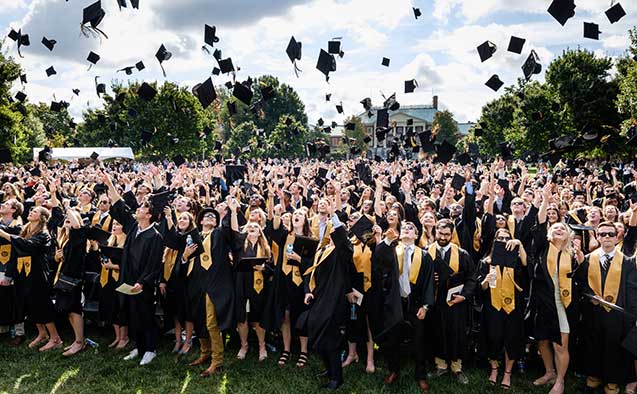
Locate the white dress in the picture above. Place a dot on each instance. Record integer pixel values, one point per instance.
(561, 311)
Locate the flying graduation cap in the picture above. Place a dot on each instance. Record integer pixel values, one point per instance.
(205, 93)
(334, 47)
(163, 55)
(486, 50)
(326, 64)
(210, 35)
(50, 71)
(531, 65)
(516, 44)
(410, 86)
(562, 10)
(93, 58)
(591, 30)
(21, 39)
(294, 53)
(615, 13)
(417, 12)
(495, 83)
(48, 43)
(91, 18)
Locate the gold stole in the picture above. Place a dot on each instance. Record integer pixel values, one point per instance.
(454, 259)
(613, 277)
(320, 256)
(316, 231)
(114, 273)
(564, 269)
(85, 208)
(62, 241)
(287, 268)
(205, 258)
(503, 295)
(257, 276)
(363, 262)
(476, 235)
(24, 263)
(96, 220)
(424, 240)
(454, 237)
(5, 250)
(170, 257)
(511, 225)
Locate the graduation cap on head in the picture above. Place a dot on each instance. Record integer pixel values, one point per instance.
(210, 35)
(615, 13)
(205, 93)
(531, 65)
(146, 91)
(486, 50)
(494, 82)
(140, 65)
(410, 86)
(20, 96)
(294, 53)
(385, 62)
(226, 65)
(516, 44)
(562, 10)
(48, 43)
(91, 18)
(100, 88)
(326, 64)
(50, 71)
(591, 30)
(243, 93)
(417, 12)
(445, 152)
(163, 55)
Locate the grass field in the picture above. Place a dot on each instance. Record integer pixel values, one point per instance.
(27, 371)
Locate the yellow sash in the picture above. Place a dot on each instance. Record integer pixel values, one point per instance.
(275, 251)
(5, 253)
(613, 277)
(454, 237)
(363, 262)
(287, 268)
(511, 225)
(316, 231)
(564, 269)
(454, 259)
(24, 263)
(503, 295)
(320, 256)
(424, 240)
(170, 257)
(257, 276)
(477, 234)
(96, 220)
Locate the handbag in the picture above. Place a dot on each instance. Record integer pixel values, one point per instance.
(66, 284)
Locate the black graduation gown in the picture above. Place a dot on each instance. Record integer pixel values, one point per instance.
(284, 294)
(37, 290)
(73, 264)
(450, 322)
(603, 332)
(356, 330)
(111, 302)
(244, 285)
(174, 302)
(141, 263)
(329, 309)
(216, 282)
(12, 309)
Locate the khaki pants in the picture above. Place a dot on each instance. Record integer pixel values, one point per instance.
(215, 343)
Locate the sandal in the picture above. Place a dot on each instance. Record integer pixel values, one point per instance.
(38, 340)
(285, 357)
(177, 347)
(73, 349)
(52, 344)
(114, 343)
(242, 353)
(493, 382)
(187, 345)
(503, 386)
(548, 378)
(302, 360)
(122, 343)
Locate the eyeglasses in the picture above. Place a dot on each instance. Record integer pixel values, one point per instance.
(409, 227)
(605, 235)
(517, 203)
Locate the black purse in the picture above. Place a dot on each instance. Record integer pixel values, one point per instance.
(66, 284)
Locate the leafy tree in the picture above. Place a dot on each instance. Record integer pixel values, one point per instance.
(31, 135)
(287, 139)
(358, 134)
(245, 141)
(496, 120)
(11, 113)
(447, 127)
(57, 125)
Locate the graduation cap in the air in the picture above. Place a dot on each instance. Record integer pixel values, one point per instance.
(591, 30)
(235, 173)
(243, 93)
(463, 159)
(100, 88)
(146, 92)
(385, 62)
(410, 85)
(531, 65)
(486, 50)
(205, 93)
(494, 82)
(382, 118)
(390, 103)
(128, 70)
(326, 64)
(140, 65)
(267, 92)
(362, 229)
(48, 43)
(226, 66)
(328, 96)
(339, 108)
(23, 78)
(56, 106)
(93, 58)
(50, 71)
(505, 151)
(562, 10)
(45, 154)
(20, 96)
(21, 39)
(294, 53)
(334, 47)
(417, 12)
(210, 35)
(5, 155)
(615, 13)
(445, 152)
(516, 44)
(367, 103)
(91, 18)
(163, 55)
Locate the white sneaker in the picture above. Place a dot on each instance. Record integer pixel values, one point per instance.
(148, 357)
(132, 355)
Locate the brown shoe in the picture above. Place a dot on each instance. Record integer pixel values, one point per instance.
(201, 360)
(391, 378)
(210, 371)
(17, 341)
(424, 386)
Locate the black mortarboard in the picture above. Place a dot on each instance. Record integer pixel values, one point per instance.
(531, 65)
(505, 151)
(20, 96)
(382, 118)
(210, 35)
(121, 3)
(76, 91)
(580, 227)
(205, 92)
(562, 10)
(23, 78)
(100, 88)
(385, 62)
(445, 152)
(339, 108)
(35, 171)
(48, 43)
(320, 122)
(362, 229)
(146, 136)
(267, 92)
(93, 57)
(45, 154)
(334, 47)
(410, 86)
(56, 106)
(516, 44)
(328, 96)
(390, 103)
(5, 155)
(113, 253)
(351, 126)
(457, 181)
(463, 159)
(134, 4)
(503, 257)
(178, 160)
(367, 103)
(615, 13)
(235, 173)
(96, 233)
(140, 65)
(93, 15)
(226, 65)
(247, 264)
(417, 12)
(146, 92)
(243, 93)
(591, 30)
(94, 155)
(163, 55)
(294, 51)
(50, 71)
(326, 64)
(232, 107)
(486, 50)
(494, 82)
(160, 201)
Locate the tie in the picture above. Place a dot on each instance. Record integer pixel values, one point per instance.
(606, 262)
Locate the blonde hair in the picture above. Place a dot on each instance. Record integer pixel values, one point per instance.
(566, 246)
(32, 228)
(262, 241)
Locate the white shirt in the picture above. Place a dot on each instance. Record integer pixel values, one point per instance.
(139, 230)
(445, 249)
(403, 280)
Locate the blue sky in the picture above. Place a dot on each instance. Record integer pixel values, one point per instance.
(438, 49)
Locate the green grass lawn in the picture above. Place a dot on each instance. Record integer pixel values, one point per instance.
(27, 371)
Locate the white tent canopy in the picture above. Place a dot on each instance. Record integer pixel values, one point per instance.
(85, 153)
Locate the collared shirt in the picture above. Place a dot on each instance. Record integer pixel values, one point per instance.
(403, 280)
(322, 227)
(444, 250)
(140, 230)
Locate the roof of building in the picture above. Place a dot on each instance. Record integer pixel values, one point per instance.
(422, 112)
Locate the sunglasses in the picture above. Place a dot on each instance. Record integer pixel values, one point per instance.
(409, 227)
(605, 235)
(517, 203)
(502, 239)
(209, 216)
(104, 202)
